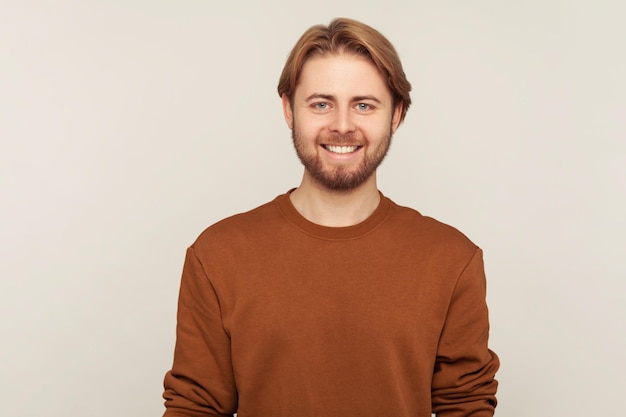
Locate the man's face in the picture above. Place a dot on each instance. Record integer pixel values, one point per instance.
(342, 119)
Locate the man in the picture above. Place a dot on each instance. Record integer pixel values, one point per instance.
(331, 300)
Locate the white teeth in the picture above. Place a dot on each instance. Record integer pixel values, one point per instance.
(341, 149)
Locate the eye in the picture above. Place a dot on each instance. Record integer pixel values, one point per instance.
(363, 107)
(321, 107)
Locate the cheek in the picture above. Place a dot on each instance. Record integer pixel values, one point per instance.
(378, 128)
(310, 123)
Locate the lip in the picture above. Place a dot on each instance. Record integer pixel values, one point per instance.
(341, 152)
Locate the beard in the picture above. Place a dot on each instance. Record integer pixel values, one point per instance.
(339, 178)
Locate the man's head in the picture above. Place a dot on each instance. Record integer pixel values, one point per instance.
(347, 35)
(344, 94)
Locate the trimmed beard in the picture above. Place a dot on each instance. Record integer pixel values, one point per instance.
(340, 178)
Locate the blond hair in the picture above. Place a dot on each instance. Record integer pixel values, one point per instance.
(347, 35)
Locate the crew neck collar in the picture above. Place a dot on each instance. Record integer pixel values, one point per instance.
(333, 233)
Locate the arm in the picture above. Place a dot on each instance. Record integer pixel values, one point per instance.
(201, 382)
(463, 381)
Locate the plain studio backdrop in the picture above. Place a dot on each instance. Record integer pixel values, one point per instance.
(127, 127)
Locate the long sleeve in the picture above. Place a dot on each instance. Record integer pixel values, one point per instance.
(463, 382)
(201, 381)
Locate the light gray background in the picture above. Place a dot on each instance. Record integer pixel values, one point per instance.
(127, 127)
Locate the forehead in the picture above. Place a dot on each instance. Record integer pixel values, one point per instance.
(342, 74)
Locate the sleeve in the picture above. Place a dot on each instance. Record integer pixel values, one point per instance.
(464, 377)
(201, 381)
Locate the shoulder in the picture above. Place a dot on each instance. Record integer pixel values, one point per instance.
(429, 232)
(240, 227)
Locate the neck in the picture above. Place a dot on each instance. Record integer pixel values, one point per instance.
(335, 208)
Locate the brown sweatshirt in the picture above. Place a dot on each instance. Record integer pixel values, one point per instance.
(281, 317)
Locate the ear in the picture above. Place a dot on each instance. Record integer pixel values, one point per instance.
(287, 111)
(395, 119)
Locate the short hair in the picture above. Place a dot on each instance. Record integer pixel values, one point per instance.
(347, 35)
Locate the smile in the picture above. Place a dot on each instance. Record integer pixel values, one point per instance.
(341, 149)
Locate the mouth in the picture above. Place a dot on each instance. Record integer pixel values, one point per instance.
(341, 149)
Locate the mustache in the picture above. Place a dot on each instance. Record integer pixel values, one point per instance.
(339, 138)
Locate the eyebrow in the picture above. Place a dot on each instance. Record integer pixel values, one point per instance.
(330, 97)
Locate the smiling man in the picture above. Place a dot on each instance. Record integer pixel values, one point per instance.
(332, 300)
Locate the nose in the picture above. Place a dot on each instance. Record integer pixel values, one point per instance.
(342, 121)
